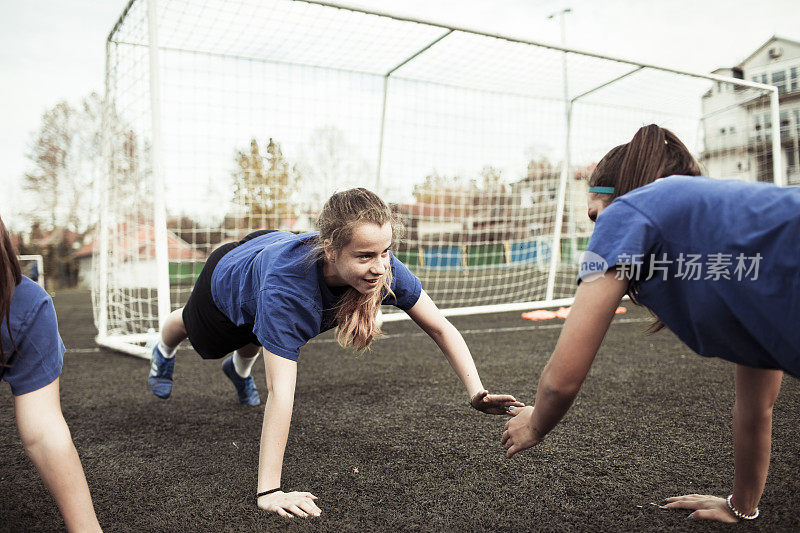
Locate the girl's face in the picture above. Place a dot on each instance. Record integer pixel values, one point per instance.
(363, 261)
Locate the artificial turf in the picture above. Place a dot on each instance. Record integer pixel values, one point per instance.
(386, 440)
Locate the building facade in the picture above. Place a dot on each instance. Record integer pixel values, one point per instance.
(737, 122)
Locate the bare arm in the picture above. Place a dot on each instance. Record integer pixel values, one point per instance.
(281, 379)
(48, 443)
(449, 340)
(756, 392)
(583, 332)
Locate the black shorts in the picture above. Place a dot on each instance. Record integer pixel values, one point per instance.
(211, 333)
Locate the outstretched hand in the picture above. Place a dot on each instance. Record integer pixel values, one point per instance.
(705, 507)
(494, 404)
(519, 433)
(290, 504)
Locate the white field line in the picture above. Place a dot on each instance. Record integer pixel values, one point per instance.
(495, 330)
(423, 334)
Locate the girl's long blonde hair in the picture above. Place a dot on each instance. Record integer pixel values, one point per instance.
(355, 313)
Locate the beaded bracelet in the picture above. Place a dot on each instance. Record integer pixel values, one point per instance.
(740, 514)
(260, 494)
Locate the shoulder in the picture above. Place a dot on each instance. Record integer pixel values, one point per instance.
(32, 314)
(676, 190)
(673, 195)
(28, 297)
(286, 248)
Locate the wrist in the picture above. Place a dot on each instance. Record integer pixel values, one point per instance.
(474, 391)
(267, 492)
(742, 514)
(474, 401)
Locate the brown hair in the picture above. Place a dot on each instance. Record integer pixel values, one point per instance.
(355, 312)
(653, 153)
(10, 276)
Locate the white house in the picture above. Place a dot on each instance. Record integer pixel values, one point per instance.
(737, 122)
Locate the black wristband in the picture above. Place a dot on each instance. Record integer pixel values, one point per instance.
(260, 494)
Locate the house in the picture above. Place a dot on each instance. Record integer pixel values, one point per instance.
(737, 121)
(133, 257)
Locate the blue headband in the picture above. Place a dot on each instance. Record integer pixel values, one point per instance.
(602, 190)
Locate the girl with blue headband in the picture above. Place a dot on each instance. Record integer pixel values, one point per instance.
(716, 262)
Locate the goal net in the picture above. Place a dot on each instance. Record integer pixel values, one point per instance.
(228, 116)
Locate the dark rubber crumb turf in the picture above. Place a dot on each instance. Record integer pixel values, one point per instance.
(387, 442)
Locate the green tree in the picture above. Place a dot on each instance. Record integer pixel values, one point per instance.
(265, 186)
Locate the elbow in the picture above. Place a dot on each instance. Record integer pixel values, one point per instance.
(558, 394)
(558, 390)
(442, 331)
(280, 390)
(752, 416)
(52, 440)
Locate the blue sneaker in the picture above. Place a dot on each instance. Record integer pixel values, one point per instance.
(245, 387)
(160, 378)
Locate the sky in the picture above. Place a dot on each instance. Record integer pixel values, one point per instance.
(54, 50)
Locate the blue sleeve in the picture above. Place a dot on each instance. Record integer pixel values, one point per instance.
(622, 236)
(40, 351)
(284, 322)
(405, 285)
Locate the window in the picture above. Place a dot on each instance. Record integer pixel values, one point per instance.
(784, 123)
(722, 131)
(794, 82)
(764, 79)
(732, 129)
(779, 81)
(797, 122)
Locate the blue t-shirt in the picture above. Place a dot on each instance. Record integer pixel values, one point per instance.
(718, 263)
(271, 283)
(40, 352)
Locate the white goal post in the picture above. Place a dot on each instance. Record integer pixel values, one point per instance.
(227, 116)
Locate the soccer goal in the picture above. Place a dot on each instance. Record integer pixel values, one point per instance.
(227, 116)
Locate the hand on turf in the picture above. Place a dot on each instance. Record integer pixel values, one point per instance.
(494, 404)
(705, 507)
(290, 504)
(519, 432)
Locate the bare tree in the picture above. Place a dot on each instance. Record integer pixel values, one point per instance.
(65, 159)
(330, 163)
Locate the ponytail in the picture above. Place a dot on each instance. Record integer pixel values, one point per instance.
(653, 153)
(10, 276)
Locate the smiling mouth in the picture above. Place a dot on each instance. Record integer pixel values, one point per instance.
(372, 281)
